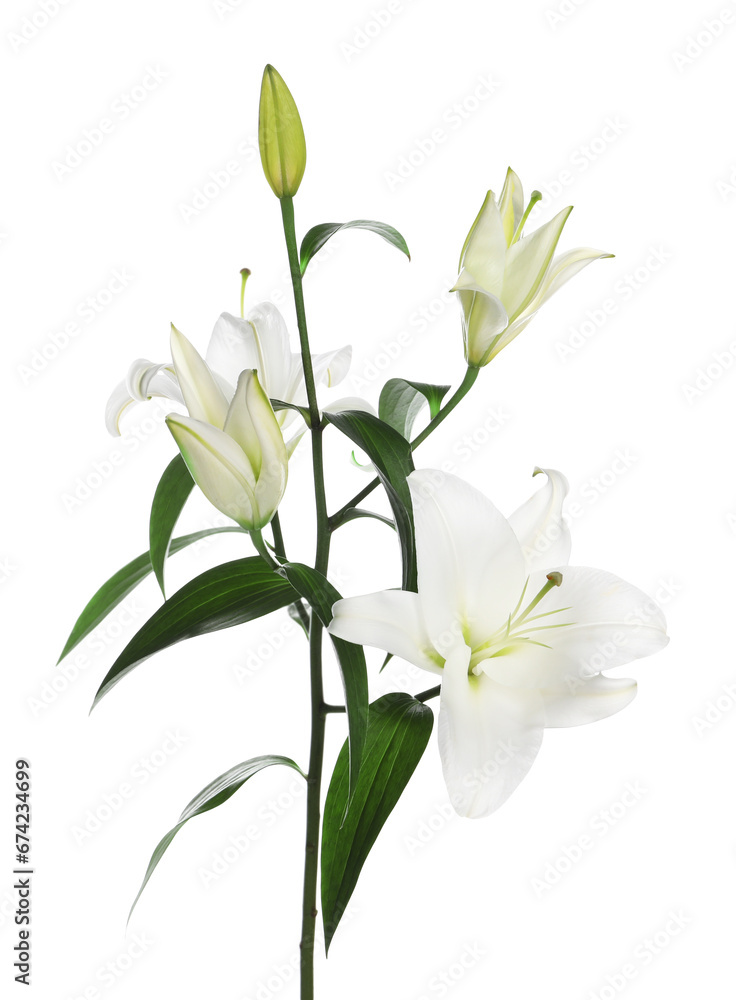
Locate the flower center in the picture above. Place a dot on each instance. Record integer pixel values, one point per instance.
(520, 625)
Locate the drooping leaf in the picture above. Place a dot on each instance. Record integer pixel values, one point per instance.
(401, 402)
(171, 494)
(399, 728)
(321, 595)
(217, 792)
(354, 513)
(223, 596)
(391, 455)
(303, 411)
(117, 588)
(319, 235)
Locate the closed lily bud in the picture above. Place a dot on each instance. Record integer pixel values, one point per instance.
(280, 136)
(242, 466)
(506, 276)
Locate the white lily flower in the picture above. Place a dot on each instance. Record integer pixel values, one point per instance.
(518, 637)
(260, 342)
(235, 451)
(506, 277)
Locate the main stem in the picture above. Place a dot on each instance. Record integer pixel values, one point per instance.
(319, 709)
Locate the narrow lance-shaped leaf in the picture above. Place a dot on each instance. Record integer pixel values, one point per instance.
(321, 595)
(401, 402)
(399, 728)
(390, 453)
(117, 588)
(171, 494)
(226, 595)
(217, 792)
(319, 235)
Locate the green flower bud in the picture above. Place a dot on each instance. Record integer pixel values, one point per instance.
(280, 136)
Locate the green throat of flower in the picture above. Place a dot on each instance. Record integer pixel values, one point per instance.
(520, 626)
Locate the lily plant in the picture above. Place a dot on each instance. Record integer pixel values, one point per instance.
(517, 639)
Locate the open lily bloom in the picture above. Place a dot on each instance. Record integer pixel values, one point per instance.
(235, 451)
(518, 637)
(505, 277)
(260, 342)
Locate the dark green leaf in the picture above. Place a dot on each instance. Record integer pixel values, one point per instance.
(390, 453)
(321, 595)
(279, 404)
(217, 792)
(171, 494)
(401, 402)
(399, 728)
(226, 595)
(120, 585)
(353, 513)
(319, 235)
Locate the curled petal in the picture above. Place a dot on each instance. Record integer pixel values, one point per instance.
(331, 368)
(538, 524)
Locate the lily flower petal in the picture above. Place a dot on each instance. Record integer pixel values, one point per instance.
(202, 394)
(527, 262)
(219, 467)
(390, 620)
(593, 699)
(489, 737)
(331, 367)
(485, 247)
(144, 380)
(468, 559)
(511, 204)
(562, 268)
(540, 527)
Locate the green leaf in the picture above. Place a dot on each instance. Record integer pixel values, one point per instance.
(117, 588)
(390, 453)
(217, 792)
(354, 513)
(321, 595)
(399, 728)
(401, 402)
(319, 235)
(171, 494)
(279, 404)
(223, 596)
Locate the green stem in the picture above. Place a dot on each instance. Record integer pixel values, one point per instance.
(317, 742)
(429, 693)
(259, 544)
(462, 390)
(280, 550)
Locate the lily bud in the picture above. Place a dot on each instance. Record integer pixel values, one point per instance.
(280, 136)
(241, 468)
(505, 277)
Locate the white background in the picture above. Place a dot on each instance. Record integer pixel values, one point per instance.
(624, 110)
